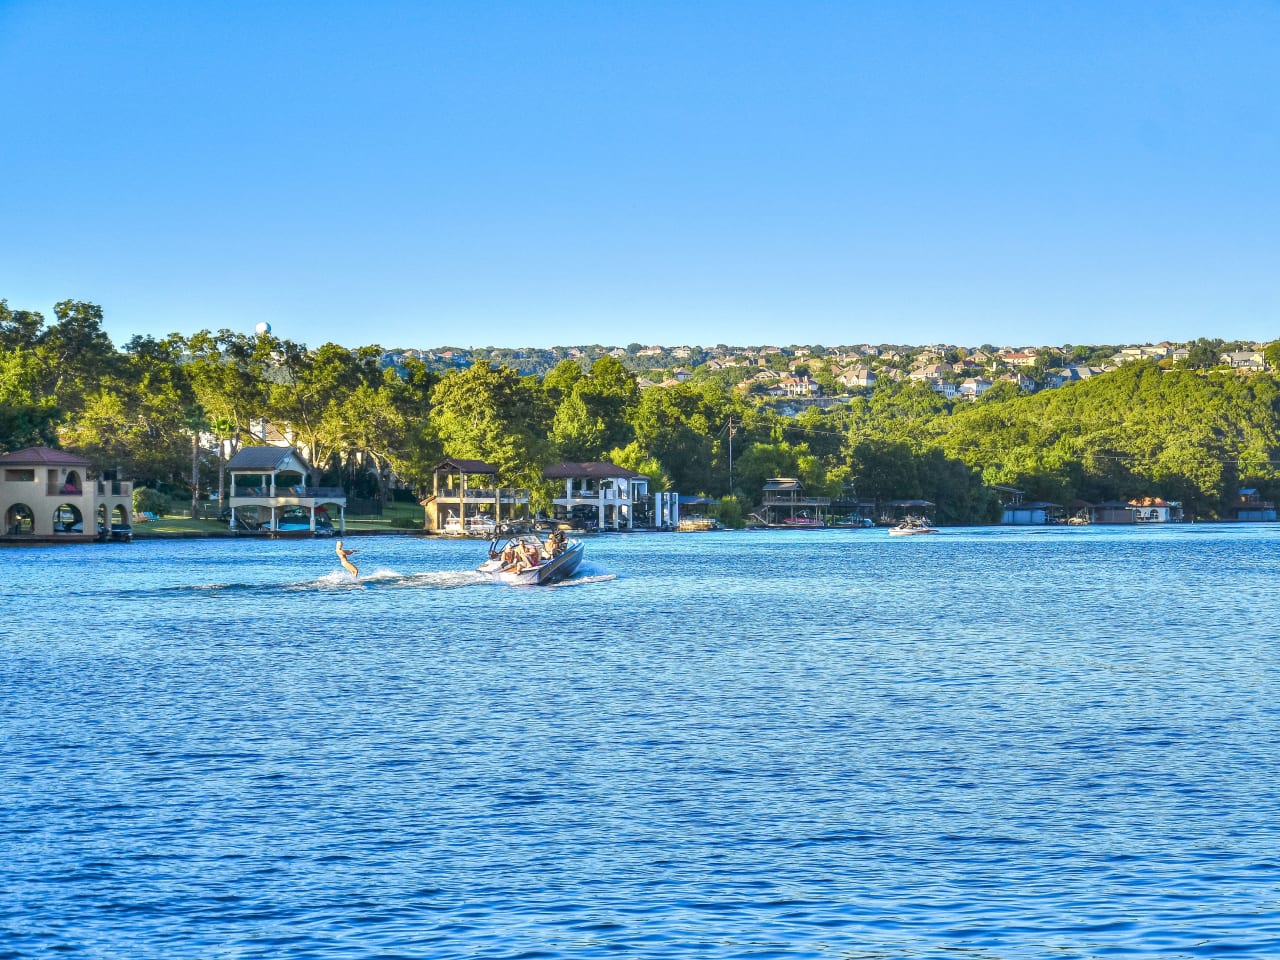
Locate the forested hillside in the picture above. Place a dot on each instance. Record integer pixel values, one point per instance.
(166, 412)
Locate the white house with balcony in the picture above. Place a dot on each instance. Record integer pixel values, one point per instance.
(971, 388)
(272, 491)
(944, 387)
(605, 496)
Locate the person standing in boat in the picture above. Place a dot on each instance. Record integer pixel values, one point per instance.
(555, 542)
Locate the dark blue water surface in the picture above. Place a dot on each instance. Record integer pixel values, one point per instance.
(993, 743)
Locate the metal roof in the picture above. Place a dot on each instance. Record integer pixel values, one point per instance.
(458, 465)
(265, 458)
(594, 471)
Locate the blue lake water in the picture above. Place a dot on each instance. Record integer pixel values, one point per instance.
(989, 743)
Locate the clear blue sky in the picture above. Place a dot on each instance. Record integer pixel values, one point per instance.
(472, 173)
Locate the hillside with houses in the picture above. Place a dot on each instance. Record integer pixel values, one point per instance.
(973, 431)
(815, 372)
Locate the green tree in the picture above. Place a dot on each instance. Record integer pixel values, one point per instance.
(136, 417)
(1203, 355)
(19, 329)
(594, 416)
(560, 381)
(493, 414)
(577, 432)
(76, 352)
(1272, 355)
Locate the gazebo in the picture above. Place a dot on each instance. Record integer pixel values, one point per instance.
(466, 498)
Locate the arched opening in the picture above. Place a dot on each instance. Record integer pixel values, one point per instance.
(68, 519)
(329, 517)
(73, 484)
(19, 520)
(120, 516)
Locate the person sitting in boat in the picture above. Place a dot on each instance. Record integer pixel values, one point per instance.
(508, 556)
(528, 556)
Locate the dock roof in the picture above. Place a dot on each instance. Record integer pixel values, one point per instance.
(265, 458)
(594, 471)
(459, 465)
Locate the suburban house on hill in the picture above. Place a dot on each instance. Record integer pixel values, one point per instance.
(271, 490)
(859, 375)
(1245, 361)
(47, 494)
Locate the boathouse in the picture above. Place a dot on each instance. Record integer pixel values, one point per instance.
(1017, 513)
(786, 503)
(905, 509)
(1113, 511)
(604, 496)
(272, 491)
(1249, 505)
(466, 498)
(1156, 510)
(46, 494)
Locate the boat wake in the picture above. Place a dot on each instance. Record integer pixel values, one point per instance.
(579, 581)
(585, 574)
(438, 579)
(339, 581)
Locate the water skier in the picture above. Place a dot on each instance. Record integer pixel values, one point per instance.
(342, 559)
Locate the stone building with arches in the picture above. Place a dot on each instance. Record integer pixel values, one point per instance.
(46, 495)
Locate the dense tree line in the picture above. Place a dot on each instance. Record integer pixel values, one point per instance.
(164, 411)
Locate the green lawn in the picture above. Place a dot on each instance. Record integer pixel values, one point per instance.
(178, 525)
(395, 516)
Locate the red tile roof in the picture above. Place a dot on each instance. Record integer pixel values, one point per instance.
(33, 456)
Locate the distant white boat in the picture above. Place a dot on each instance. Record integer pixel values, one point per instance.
(471, 527)
(910, 527)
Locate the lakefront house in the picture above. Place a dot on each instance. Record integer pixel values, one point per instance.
(604, 496)
(272, 491)
(46, 494)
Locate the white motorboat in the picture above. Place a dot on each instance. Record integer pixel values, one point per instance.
(911, 526)
(525, 560)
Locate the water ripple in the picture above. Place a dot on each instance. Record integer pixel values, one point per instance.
(990, 744)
